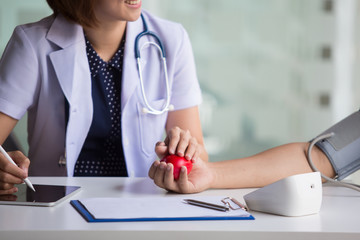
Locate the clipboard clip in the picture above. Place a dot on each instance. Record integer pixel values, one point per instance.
(234, 204)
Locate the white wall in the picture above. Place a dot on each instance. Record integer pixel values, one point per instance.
(268, 68)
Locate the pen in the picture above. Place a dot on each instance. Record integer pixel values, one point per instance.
(206, 205)
(26, 180)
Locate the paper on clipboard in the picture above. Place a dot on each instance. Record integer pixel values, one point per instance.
(157, 208)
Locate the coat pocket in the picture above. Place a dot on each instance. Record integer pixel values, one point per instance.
(151, 126)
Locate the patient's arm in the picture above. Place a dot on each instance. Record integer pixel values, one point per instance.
(268, 166)
(254, 171)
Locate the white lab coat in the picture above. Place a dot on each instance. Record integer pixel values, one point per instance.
(46, 60)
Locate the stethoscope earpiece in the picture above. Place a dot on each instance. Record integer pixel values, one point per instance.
(171, 107)
(145, 110)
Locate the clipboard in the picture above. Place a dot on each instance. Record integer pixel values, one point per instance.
(131, 209)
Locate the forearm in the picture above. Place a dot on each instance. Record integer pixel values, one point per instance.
(7, 124)
(268, 166)
(188, 120)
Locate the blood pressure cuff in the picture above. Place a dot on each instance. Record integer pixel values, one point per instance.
(343, 148)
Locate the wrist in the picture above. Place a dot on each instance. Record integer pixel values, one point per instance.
(215, 174)
(203, 154)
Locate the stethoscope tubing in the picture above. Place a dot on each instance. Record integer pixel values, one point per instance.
(148, 109)
(150, 33)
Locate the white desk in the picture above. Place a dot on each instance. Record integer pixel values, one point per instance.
(339, 217)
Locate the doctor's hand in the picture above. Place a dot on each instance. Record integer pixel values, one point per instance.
(199, 179)
(11, 174)
(181, 143)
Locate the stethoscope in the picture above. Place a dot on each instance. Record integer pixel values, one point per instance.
(159, 45)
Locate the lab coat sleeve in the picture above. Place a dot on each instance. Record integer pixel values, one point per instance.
(185, 89)
(18, 75)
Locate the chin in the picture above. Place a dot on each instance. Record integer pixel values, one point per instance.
(133, 17)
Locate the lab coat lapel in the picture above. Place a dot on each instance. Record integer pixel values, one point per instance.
(71, 58)
(72, 70)
(130, 77)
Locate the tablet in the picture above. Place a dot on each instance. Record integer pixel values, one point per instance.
(45, 195)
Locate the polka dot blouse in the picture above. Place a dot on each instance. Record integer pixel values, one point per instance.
(102, 153)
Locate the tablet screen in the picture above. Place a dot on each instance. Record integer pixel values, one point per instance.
(45, 195)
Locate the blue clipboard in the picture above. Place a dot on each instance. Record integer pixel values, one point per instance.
(89, 217)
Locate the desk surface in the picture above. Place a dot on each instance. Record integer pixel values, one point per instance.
(339, 217)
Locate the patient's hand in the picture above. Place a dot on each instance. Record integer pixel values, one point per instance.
(199, 179)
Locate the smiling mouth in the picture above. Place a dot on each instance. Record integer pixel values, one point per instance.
(132, 2)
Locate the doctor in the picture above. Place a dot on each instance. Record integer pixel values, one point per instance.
(76, 75)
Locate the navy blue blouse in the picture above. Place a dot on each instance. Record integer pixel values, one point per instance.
(102, 153)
